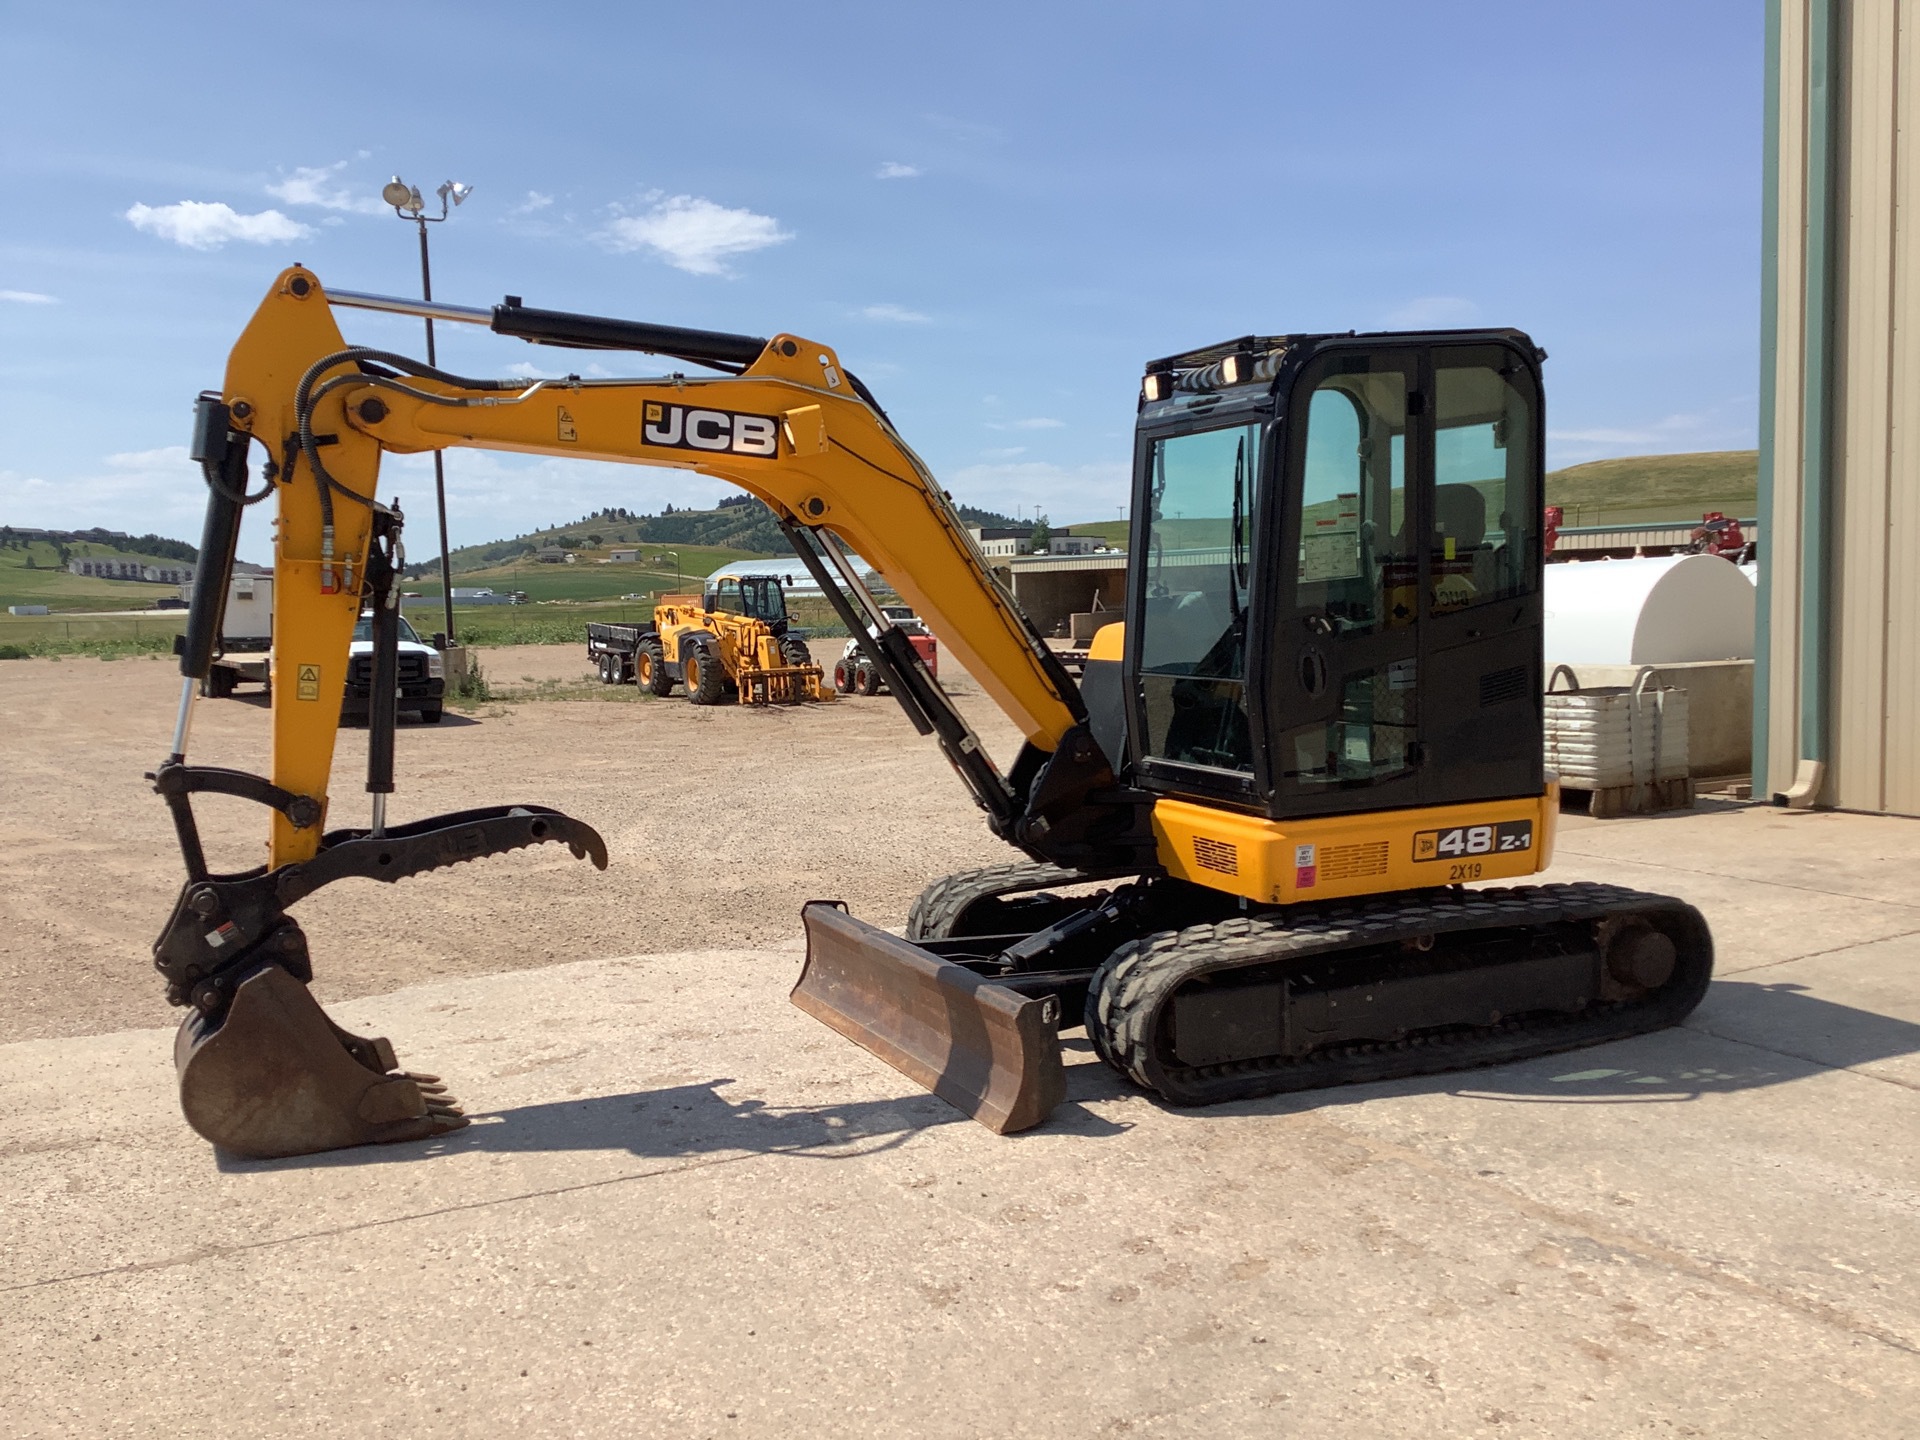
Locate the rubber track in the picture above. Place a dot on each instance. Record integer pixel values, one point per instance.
(939, 907)
(1128, 994)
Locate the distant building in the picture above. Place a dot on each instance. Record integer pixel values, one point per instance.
(113, 567)
(1060, 543)
(1002, 539)
(553, 555)
(623, 557)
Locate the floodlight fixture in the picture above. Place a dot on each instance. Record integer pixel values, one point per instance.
(407, 204)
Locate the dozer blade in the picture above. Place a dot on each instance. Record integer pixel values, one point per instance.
(275, 1077)
(986, 1050)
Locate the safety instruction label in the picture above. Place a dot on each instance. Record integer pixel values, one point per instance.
(307, 682)
(567, 430)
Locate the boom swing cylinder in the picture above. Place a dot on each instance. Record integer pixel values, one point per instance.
(1205, 780)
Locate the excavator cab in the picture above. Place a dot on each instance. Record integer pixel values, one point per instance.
(1335, 580)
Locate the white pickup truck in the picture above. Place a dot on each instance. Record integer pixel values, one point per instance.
(246, 656)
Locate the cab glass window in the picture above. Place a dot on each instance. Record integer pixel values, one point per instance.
(1357, 564)
(765, 600)
(1193, 623)
(1485, 498)
(727, 599)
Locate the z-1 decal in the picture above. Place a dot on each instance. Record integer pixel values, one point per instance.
(687, 427)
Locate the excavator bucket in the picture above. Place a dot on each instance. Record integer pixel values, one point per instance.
(276, 1077)
(988, 1051)
(263, 1072)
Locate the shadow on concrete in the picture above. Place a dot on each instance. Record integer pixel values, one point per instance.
(1744, 1036)
(684, 1121)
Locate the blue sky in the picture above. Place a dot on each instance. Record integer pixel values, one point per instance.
(995, 212)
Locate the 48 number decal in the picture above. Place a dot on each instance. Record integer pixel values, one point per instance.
(1463, 844)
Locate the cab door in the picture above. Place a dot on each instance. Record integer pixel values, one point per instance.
(1481, 607)
(1345, 681)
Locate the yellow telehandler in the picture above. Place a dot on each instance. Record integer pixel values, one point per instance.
(731, 639)
(1247, 835)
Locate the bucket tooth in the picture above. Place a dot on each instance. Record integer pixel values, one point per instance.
(988, 1051)
(275, 1077)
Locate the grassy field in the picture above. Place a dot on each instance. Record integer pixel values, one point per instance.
(585, 580)
(1645, 488)
(49, 584)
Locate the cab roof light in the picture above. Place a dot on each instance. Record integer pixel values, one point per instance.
(1157, 386)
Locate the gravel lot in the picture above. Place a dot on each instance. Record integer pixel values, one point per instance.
(720, 823)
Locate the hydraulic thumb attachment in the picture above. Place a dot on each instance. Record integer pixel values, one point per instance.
(263, 1071)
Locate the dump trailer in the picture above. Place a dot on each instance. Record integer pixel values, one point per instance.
(731, 642)
(1274, 839)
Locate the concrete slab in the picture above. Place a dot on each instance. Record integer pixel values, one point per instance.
(1861, 857)
(688, 1209)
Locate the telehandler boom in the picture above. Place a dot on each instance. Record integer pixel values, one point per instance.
(1247, 833)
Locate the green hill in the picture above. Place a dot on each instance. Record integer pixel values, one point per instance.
(1645, 488)
(34, 572)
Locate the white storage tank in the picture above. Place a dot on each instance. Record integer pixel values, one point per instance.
(1664, 610)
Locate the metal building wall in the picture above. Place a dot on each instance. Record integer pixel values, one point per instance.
(1837, 693)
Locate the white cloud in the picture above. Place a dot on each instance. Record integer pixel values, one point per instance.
(694, 234)
(1432, 312)
(26, 297)
(200, 225)
(1004, 452)
(1679, 429)
(534, 201)
(316, 185)
(896, 313)
(1038, 422)
(1067, 492)
(1728, 426)
(894, 170)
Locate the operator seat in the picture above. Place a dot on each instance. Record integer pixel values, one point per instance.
(1460, 515)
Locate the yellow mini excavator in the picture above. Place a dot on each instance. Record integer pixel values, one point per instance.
(1251, 836)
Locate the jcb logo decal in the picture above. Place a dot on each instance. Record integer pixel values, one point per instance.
(682, 427)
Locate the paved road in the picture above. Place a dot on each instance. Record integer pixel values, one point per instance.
(689, 1210)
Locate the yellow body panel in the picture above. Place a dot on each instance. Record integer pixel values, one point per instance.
(1109, 643)
(1332, 857)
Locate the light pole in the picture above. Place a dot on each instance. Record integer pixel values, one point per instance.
(407, 204)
